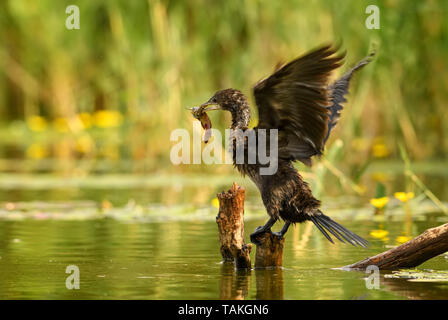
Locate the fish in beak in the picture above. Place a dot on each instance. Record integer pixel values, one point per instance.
(200, 113)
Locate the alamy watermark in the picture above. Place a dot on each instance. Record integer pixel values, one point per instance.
(245, 147)
(373, 20)
(72, 21)
(373, 280)
(73, 280)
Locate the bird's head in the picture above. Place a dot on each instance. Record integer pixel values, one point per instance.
(229, 99)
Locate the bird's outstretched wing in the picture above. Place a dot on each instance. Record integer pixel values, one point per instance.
(295, 101)
(337, 92)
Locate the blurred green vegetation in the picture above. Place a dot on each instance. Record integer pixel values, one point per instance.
(105, 98)
(109, 94)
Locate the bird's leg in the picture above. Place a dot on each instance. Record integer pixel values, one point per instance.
(282, 232)
(262, 229)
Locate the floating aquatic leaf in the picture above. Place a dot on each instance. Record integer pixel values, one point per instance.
(415, 275)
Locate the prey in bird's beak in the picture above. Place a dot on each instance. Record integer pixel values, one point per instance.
(200, 113)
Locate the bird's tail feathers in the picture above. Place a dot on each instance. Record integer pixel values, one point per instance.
(326, 225)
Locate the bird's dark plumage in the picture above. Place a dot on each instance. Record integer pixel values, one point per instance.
(295, 100)
(338, 90)
(298, 101)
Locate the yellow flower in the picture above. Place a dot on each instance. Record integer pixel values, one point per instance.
(215, 203)
(84, 144)
(61, 125)
(379, 176)
(359, 144)
(379, 202)
(111, 152)
(380, 150)
(36, 123)
(107, 118)
(403, 196)
(379, 233)
(403, 239)
(86, 119)
(106, 204)
(36, 151)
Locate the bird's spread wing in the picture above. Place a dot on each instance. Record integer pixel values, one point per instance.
(337, 92)
(294, 100)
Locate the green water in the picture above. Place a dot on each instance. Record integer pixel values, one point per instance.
(181, 261)
(155, 248)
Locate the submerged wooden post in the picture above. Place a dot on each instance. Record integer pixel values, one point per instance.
(429, 244)
(231, 227)
(270, 251)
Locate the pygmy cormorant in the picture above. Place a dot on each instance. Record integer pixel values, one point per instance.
(298, 100)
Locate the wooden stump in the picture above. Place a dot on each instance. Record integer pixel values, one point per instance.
(231, 227)
(269, 252)
(429, 244)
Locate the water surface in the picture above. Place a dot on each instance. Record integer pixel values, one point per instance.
(181, 260)
(159, 241)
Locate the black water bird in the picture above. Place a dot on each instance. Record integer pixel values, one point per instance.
(298, 100)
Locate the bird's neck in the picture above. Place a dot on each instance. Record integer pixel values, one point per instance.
(241, 116)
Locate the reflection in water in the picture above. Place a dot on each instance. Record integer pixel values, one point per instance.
(180, 260)
(269, 284)
(300, 241)
(416, 290)
(234, 284)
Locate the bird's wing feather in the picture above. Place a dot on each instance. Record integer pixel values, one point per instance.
(338, 91)
(294, 100)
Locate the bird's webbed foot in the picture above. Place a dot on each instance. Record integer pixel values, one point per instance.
(260, 230)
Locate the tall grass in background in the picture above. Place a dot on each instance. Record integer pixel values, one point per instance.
(106, 97)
